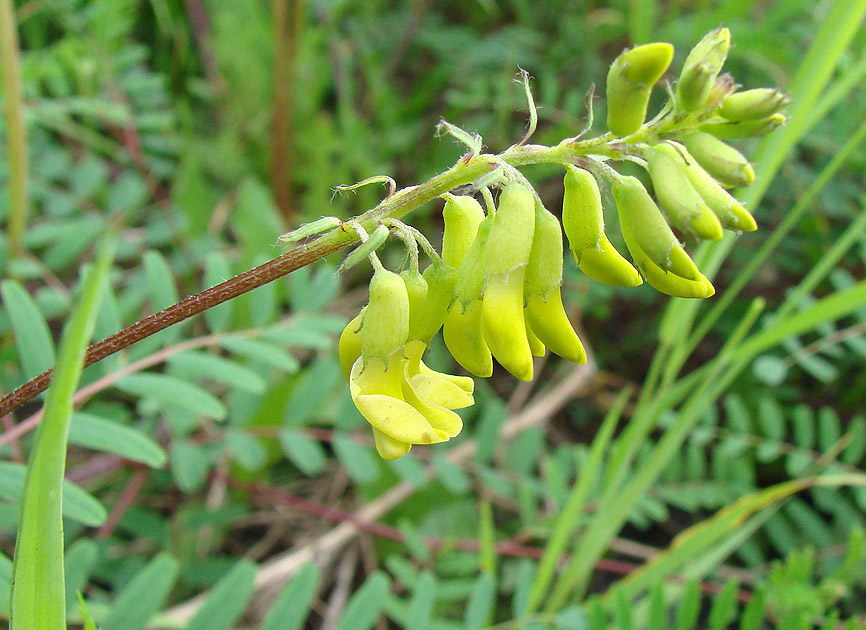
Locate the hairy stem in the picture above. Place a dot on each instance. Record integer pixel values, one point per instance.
(469, 170)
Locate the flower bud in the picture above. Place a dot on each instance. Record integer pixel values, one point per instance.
(753, 104)
(652, 235)
(700, 70)
(385, 326)
(722, 86)
(721, 160)
(680, 201)
(462, 327)
(440, 280)
(349, 346)
(535, 346)
(662, 280)
(735, 130)
(731, 212)
(506, 257)
(462, 215)
(629, 84)
(583, 222)
(544, 311)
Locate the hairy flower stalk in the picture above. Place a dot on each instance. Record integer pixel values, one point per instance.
(496, 287)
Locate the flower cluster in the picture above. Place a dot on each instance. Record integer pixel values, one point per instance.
(495, 290)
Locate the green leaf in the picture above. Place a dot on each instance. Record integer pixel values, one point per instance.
(724, 607)
(32, 337)
(263, 352)
(303, 451)
(451, 475)
(144, 596)
(421, 606)
(104, 435)
(246, 450)
(217, 368)
(78, 504)
(173, 391)
(358, 460)
(364, 606)
(39, 592)
(292, 606)
(190, 464)
(227, 600)
(689, 608)
(80, 558)
(479, 608)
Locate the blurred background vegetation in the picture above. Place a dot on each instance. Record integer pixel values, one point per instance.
(214, 460)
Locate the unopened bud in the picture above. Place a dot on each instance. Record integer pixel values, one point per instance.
(462, 215)
(753, 104)
(629, 84)
(700, 70)
(722, 86)
(641, 217)
(735, 130)
(385, 327)
(722, 161)
(680, 201)
(732, 214)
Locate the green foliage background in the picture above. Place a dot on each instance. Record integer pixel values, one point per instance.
(227, 447)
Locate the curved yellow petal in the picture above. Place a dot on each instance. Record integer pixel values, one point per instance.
(388, 447)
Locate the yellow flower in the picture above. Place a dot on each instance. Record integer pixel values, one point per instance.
(401, 412)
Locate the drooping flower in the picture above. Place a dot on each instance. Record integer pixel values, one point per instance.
(404, 401)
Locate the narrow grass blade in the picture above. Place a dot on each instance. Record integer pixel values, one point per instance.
(566, 523)
(39, 593)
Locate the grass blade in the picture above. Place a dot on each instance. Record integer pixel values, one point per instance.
(39, 592)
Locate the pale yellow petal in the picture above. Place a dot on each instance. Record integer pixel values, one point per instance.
(441, 391)
(388, 447)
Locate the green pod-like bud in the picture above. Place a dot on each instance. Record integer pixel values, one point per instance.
(544, 311)
(385, 326)
(680, 201)
(721, 160)
(416, 289)
(732, 214)
(349, 346)
(544, 269)
(736, 130)
(583, 222)
(462, 216)
(535, 346)
(510, 239)
(462, 327)
(639, 215)
(700, 70)
(753, 104)
(506, 258)
(630, 80)
(440, 280)
(662, 280)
